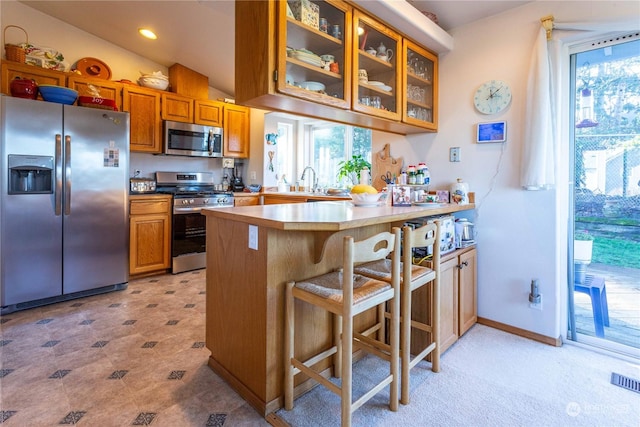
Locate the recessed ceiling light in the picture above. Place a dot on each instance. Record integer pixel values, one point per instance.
(145, 32)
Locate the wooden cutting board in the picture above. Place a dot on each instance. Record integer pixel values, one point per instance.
(381, 163)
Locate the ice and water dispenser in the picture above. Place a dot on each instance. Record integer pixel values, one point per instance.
(30, 174)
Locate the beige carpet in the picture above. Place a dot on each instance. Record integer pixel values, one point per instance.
(492, 378)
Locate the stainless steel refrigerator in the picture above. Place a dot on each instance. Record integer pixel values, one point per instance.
(63, 202)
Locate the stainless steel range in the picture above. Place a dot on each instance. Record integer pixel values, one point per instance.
(191, 192)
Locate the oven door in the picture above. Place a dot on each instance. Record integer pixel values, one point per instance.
(188, 241)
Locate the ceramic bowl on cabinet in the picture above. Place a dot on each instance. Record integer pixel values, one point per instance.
(59, 94)
(154, 82)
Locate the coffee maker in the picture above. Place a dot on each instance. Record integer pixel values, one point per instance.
(236, 181)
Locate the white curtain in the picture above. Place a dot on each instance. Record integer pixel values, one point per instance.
(538, 153)
(544, 97)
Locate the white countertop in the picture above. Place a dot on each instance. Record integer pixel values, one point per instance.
(329, 215)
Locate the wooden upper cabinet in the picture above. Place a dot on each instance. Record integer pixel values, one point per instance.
(273, 76)
(420, 86)
(106, 88)
(209, 113)
(177, 107)
(143, 106)
(42, 76)
(305, 75)
(376, 69)
(236, 131)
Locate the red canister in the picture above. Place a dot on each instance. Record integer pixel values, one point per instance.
(24, 88)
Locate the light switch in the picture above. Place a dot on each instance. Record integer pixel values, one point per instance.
(454, 154)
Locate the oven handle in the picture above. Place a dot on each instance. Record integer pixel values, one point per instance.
(210, 142)
(178, 211)
(185, 210)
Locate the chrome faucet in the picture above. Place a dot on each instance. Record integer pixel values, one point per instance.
(314, 182)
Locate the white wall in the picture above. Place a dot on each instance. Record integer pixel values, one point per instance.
(521, 234)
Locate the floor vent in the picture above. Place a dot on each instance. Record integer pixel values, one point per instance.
(625, 382)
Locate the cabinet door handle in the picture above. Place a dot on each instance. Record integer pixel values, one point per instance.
(463, 265)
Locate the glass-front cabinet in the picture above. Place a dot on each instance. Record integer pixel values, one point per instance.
(420, 86)
(315, 62)
(376, 64)
(331, 60)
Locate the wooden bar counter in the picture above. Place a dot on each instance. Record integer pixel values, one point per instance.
(245, 286)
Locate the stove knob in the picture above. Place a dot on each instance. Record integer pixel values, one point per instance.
(191, 201)
(205, 201)
(185, 201)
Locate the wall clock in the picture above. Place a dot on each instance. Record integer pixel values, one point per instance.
(492, 97)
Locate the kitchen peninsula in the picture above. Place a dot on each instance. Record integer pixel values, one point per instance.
(254, 251)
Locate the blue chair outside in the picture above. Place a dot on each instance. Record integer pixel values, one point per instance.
(594, 286)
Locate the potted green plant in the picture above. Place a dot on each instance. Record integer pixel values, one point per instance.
(582, 253)
(350, 169)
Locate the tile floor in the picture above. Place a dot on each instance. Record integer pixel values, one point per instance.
(132, 357)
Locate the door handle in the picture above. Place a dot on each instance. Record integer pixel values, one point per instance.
(67, 174)
(58, 176)
(463, 265)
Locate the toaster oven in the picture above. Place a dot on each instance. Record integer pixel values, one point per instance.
(447, 231)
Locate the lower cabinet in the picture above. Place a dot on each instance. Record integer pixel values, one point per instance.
(275, 199)
(149, 234)
(249, 200)
(458, 299)
(458, 295)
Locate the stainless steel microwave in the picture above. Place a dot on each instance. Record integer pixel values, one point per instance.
(188, 139)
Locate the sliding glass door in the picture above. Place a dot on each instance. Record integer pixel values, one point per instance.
(604, 295)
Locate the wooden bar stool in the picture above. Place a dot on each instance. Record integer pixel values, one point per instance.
(345, 295)
(414, 277)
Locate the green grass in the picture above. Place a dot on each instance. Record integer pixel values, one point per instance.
(623, 253)
(603, 220)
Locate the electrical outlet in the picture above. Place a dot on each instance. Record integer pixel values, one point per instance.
(454, 154)
(253, 237)
(536, 305)
(252, 175)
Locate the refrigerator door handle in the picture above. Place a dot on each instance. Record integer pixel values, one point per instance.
(58, 175)
(67, 175)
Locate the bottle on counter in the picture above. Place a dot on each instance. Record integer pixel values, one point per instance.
(225, 183)
(403, 178)
(427, 176)
(411, 178)
(365, 176)
(419, 176)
